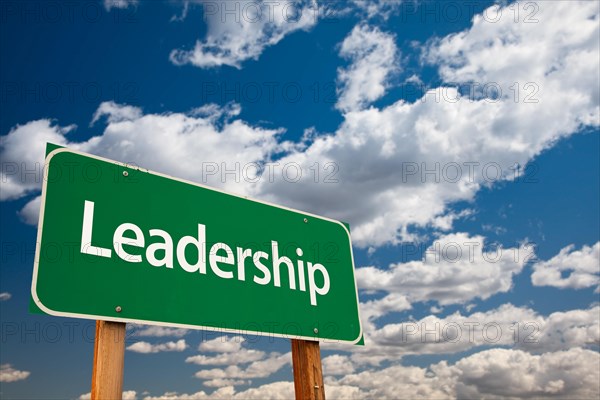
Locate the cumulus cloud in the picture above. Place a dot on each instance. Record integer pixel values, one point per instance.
(242, 356)
(401, 166)
(561, 331)
(245, 31)
(22, 154)
(257, 369)
(508, 325)
(373, 59)
(269, 391)
(456, 268)
(223, 344)
(157, 331)
(505, 373)
(127, 395)
(497, 50)
(494, 374)
(230, 353)
(224, 383)
(146, 348)
(9, 374)
(337, 365)
(116, 112)
(30, 214)
(452, 334)
(371, 310)
(5, 296)
(435, 382)
(396, 168)
(570, 268)
(505, 326)
(170, 143)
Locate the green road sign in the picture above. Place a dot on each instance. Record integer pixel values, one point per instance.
(125, 244)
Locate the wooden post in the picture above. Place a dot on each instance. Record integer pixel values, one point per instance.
(308, 374)
(109, 357)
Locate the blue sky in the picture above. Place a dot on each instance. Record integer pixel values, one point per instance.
(443, 127)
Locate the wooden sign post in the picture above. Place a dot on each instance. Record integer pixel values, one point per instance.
(308, 373)
(109, 357)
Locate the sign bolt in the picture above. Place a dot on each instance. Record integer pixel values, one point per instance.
(125, 173)
(316, 330)
(305, 220)
(118, 308)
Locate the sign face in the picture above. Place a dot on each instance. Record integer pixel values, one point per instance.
(125, 244)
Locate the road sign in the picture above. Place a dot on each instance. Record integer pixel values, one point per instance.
(121, 243)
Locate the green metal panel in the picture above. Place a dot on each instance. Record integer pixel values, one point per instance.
(70, 282)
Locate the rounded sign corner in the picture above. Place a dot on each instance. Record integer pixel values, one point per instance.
(345, 230)
(360, 336)
(42, 306)
(57, 151)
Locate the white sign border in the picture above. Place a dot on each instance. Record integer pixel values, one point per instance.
(169, 324)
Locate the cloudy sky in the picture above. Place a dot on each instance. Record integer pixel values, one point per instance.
(458, 139)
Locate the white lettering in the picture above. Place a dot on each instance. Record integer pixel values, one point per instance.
(86, 233)
(119, 240)
(200, 244)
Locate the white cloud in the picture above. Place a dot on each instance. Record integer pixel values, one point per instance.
(158, 331)
(582, 266)
(500, 373)
(562, 330)
(224, 382)
(127, 395)
(435, 382)
(492, 374)
(435, 310)
(374, 59)
(169, 143)
(337, 365)
(378, 8)
(371, 310)
(145, 347)
(233, 355)
(184, 396)
(30, 214)
(382, 155)
(9, 374)
(257, 369)
(223, 344)
(116, 112)
(558, 53)
(273, 391)
(242, 356)
(374, 151)
(269, 391)
(245, 32)
(507, 325)
(455, 269)
(22, 153)
(5, 296)
(110, 4)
